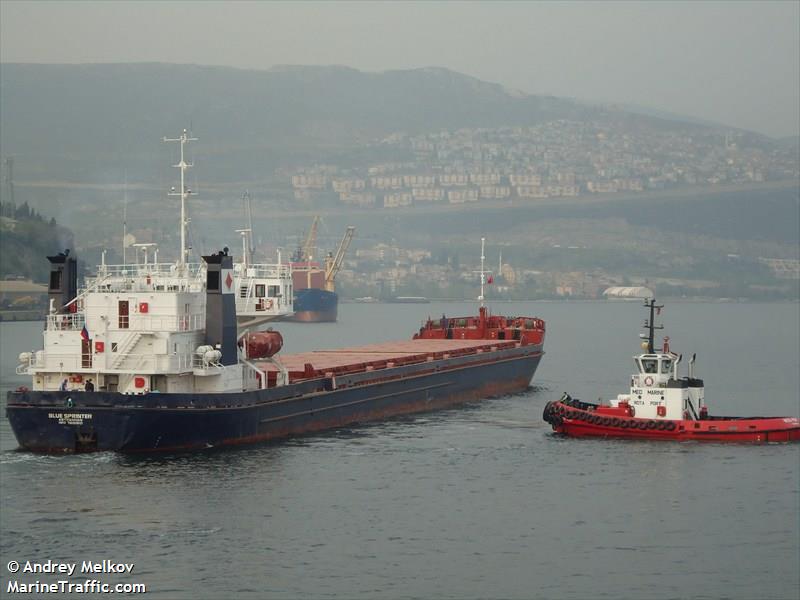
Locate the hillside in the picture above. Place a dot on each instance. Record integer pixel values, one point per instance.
(25, 239)
(75, 121)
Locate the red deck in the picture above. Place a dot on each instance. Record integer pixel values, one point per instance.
(358, 359)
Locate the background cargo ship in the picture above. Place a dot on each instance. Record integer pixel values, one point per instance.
(315, 297)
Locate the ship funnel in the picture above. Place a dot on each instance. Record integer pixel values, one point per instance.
(63, 286)
(221, 306)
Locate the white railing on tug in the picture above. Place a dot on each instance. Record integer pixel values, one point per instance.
(157, 277)
(127, 363)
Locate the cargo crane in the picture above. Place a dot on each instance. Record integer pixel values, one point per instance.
(311, 241)
(334, 263)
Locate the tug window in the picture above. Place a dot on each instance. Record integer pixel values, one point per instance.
(666, 366)
(274, 291)
(261, 290)
(650, 366)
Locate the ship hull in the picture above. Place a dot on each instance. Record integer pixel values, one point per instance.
(314, 305)
(73, 422)
(570, 421)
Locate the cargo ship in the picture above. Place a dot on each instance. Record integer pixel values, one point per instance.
(661, 405)
(148, 357)
(315, 297)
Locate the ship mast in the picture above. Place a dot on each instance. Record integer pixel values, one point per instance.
(125, 218)
(247, 233)
(483, 272)
(650, 323)
(248, 207)
(184, 192)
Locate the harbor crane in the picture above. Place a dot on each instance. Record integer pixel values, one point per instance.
(334, 263)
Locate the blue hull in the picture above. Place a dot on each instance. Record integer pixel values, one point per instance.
(75, 422)
(313, 305)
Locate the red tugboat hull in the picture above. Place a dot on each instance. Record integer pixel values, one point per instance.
(579, 419)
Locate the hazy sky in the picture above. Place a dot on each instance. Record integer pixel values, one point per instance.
(733, 62)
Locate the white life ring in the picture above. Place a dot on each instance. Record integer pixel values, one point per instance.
(648, 381)
(269, 304)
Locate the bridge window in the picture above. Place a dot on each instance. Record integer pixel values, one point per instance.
(650, 365)
(666, 366)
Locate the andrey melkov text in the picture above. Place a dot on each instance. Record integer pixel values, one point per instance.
(67, 568)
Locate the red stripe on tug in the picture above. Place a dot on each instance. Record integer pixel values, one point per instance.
(663, 406)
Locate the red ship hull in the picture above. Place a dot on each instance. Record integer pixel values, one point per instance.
(579, 419)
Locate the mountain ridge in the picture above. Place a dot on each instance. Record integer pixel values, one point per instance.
(101, 114)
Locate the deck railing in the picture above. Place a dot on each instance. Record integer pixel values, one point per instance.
(127, 363)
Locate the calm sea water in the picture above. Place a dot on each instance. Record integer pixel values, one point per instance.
(476, 502)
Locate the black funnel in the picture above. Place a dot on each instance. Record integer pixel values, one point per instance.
(221, 306)
(63, 286)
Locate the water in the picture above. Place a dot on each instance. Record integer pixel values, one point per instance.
(476, 502)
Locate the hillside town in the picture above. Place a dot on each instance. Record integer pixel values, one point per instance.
(558, 159)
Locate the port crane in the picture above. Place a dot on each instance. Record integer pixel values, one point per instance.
(334, 263)
(311, 241)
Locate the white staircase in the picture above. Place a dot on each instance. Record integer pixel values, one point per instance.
(123, 350)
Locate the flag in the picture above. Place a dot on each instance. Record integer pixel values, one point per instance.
(490, 279)
(85, 333)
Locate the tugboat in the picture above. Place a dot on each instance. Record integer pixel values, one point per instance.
(663, 406)
(149, 357)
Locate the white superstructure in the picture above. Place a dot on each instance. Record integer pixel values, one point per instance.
(145, 327)
(133, 329)
(657, 391)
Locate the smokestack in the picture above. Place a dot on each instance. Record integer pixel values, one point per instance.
(63, 286)
(221, 306)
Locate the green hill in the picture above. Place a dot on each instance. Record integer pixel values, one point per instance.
(25, 239)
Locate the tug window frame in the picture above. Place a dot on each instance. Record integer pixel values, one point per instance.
(261, 290)
(666, 366)
(650, 366)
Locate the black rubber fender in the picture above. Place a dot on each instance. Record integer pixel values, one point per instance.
(546, 412)
(651, 424)
(670, 426)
